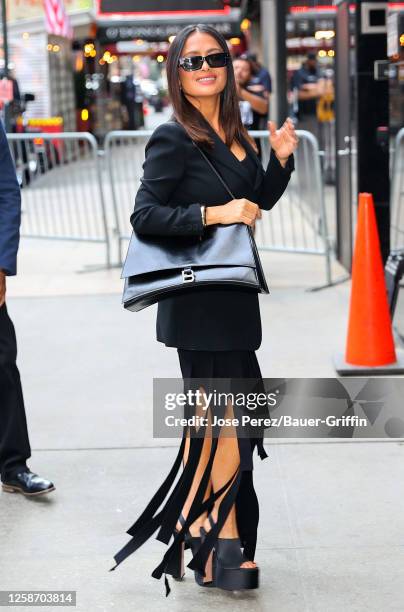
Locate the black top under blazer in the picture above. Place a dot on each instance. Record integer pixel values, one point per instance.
(176, 182)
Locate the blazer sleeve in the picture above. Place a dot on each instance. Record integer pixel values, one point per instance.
(275, 181)
(10, 209)
(163, 169)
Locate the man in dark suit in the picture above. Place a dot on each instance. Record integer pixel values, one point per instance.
(14, 441)
(307, 83)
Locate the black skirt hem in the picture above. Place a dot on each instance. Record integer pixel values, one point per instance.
(239, 489)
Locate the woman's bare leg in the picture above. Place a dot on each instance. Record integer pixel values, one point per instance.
(195, 528)
(227, 459)
(204, 458)
(226, 462)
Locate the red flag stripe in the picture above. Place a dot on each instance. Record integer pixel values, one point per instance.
(57, 20)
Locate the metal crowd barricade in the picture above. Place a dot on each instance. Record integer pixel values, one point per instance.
(124, 156)
(297, 225)
(61, 187)
(397, 194)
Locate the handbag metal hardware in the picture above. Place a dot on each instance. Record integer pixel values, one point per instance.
(188, 275)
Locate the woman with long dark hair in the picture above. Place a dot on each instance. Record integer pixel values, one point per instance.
(213, 507)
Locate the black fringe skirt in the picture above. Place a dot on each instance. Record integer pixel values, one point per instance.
(235, 372)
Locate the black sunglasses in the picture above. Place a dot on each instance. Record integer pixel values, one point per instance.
(195, 62)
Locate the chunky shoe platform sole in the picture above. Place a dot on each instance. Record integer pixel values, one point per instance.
(235, 579)
(227, 561)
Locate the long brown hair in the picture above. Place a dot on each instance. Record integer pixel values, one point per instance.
(186, 113)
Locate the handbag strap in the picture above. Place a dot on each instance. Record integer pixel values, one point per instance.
(225, 185)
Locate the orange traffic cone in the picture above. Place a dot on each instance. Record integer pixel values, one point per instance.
(370, 343)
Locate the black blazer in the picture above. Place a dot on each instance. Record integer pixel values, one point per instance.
(175, 182)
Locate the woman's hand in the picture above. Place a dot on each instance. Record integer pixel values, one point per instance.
(283, 141)
(236, 211)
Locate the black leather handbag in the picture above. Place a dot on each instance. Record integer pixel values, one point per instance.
(157, 267)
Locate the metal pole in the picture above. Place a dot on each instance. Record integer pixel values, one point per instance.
(5, 53)
(273, 28)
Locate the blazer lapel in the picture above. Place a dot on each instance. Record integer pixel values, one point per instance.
(222, 154)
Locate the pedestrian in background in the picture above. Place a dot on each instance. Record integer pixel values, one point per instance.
(15, 106)
(260, 75)
(253, 98)
(15, 448)
(307, 86)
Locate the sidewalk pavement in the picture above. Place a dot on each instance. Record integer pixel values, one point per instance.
(331, 528)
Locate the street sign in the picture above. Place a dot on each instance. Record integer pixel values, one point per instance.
(156, 32)
(158, 6)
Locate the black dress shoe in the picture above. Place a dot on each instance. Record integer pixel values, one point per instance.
(28, 483)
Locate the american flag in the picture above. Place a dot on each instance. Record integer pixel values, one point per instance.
(57, 20)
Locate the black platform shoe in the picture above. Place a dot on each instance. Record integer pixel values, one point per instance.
(227, 560)
(175, 566)
(195, 543)
(228, 573)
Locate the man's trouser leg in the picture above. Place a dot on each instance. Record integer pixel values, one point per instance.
(14, 441)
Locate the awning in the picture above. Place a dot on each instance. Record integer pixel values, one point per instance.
(160, 28)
